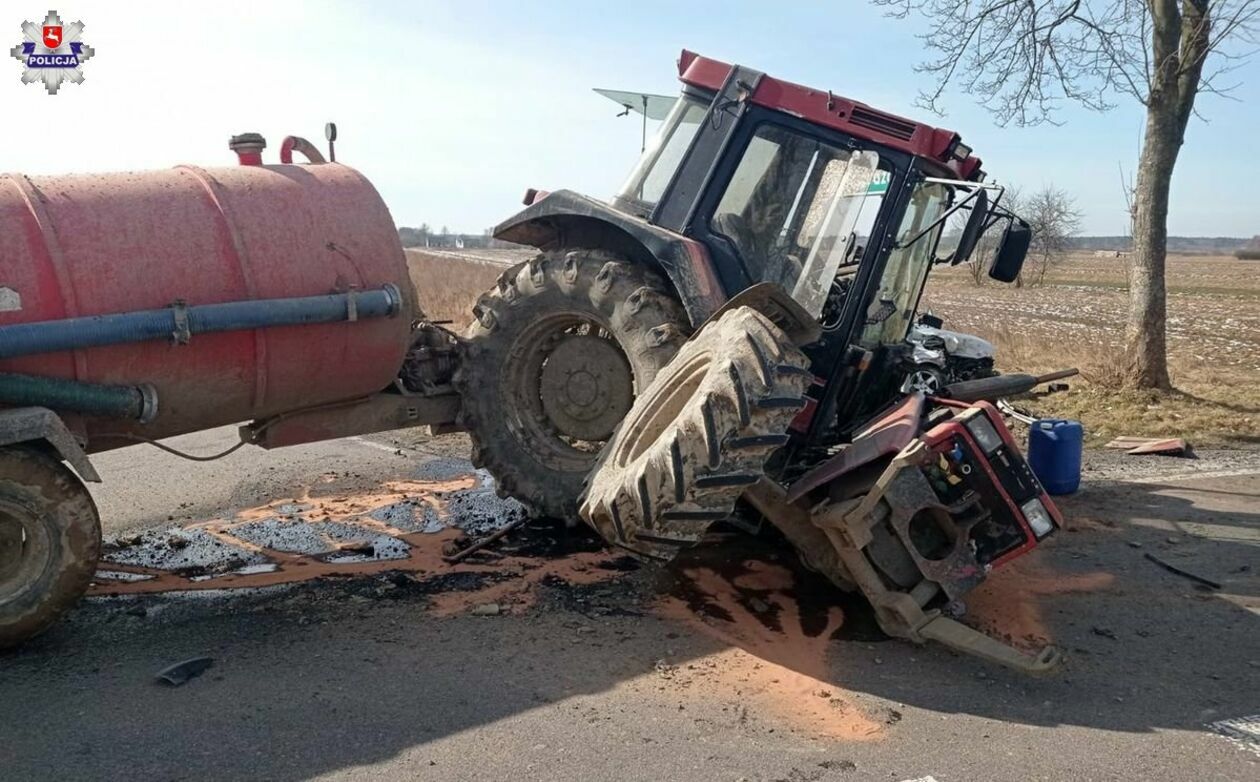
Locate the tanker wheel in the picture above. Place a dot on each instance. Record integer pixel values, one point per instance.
(552, 364)
(50, 539)
(698, 436)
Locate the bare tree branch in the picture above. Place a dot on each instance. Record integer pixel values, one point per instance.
(1022, 59)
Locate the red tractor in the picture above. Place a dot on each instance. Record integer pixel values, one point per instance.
(726, 340)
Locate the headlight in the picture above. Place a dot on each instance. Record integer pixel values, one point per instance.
(1038, 517)
(982, 429)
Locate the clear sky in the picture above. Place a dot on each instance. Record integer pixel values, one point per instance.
(453, 108)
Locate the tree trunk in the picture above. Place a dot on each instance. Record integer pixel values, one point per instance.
(1180, 41)
(1146, 349)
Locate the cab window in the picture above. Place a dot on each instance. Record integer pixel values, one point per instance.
(794, 203)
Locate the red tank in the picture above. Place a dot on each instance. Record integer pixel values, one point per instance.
(111, 243)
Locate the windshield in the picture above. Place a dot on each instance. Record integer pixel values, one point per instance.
(656, 167)
(890, 314)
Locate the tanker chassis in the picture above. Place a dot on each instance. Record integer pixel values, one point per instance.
(726, 341)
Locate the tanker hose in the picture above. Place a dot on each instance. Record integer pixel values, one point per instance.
(180, 321)
(299, 144)
(134, 402)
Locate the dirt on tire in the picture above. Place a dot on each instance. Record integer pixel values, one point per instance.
(50, 540)
(699, 436)
(617, 306)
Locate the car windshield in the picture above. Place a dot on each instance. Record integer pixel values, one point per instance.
(656, 166)
(890, 314)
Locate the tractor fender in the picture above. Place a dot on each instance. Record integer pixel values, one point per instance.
(564, 219)
(41, 426)
(771, 300)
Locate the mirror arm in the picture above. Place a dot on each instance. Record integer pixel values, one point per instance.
(938, 221)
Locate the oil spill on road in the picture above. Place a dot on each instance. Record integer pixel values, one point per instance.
(779, 621)
(402, 526)
(1009, 604)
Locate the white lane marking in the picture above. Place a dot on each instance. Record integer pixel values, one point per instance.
(1243, 732)
(1186, 476)
(928, 778)
(378, 446)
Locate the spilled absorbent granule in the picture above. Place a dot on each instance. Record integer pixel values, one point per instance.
(778, 662)
(404, 526)
(1008, 605)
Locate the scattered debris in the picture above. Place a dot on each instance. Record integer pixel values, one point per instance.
(1244, 732)
(179, 673)
(1183, 573)
(358, 547)
(1013, 412)
(487, 609)
(1163, 446)
(486, 541)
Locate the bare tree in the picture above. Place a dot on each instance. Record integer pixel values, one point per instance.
(1054, 218)
(1023, 58)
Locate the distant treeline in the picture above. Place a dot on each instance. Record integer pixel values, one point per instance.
(1176, 244)
(425, 237)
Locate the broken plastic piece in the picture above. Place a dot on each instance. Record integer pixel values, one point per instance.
(181, 672)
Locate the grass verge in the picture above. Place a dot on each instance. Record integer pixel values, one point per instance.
(1210, 406)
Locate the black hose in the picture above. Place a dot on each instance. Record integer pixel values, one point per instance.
(134, 402)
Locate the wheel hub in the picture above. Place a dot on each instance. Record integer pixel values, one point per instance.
(23, 551)
(586, 387)
(925, 381)
(12, 539)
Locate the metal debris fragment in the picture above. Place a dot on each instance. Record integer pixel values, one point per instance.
(477, 545)
(1183, 573)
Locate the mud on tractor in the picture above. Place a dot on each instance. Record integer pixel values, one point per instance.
(724, 341)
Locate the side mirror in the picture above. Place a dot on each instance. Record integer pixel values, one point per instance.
(1008, 257)
(971, 231)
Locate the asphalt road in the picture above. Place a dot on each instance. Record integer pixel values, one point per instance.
(731, 665)
(143, 487)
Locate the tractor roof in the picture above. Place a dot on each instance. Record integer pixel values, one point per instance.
(822, 107)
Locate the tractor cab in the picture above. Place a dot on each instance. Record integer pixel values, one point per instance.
(841, 205)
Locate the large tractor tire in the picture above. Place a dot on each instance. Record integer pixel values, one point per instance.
(552, 364)
(50, 540)
(698, 436)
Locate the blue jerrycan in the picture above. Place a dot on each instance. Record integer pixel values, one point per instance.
(1054, 453)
